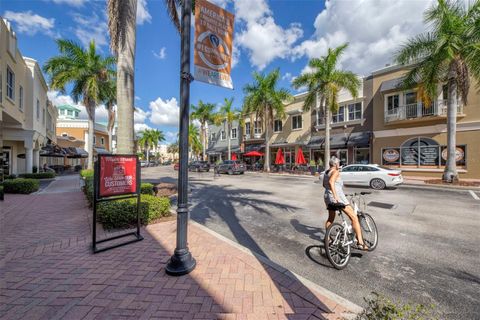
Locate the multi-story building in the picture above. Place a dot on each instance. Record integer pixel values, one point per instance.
(28, 119)
(73, 132)
(350, 128)
(411, 135)
(217, 141)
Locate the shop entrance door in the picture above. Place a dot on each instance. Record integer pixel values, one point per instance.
(6, 160)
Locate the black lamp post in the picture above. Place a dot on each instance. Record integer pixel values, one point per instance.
(182, 261)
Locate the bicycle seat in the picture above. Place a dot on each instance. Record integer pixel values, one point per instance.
(365, 192)
(336, 206)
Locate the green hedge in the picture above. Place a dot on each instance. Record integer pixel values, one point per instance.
(21, 185)
(122, 213)
(1, 193)
(88, 189)
(146, 188)
(11, 176)
(86, 173)
(40, 175)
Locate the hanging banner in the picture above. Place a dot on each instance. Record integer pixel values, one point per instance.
(118, 175)
(213, 44)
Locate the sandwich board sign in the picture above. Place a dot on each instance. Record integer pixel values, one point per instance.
(213, 44)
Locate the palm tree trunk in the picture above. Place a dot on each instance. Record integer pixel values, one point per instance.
(125, 81)
(111, 124)
(450, 173)
(91, 132)
(266, 165)
(147, 153)
(204, 139)
(229, 141)
(326, 157)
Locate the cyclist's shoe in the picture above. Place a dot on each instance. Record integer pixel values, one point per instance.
(362, 247)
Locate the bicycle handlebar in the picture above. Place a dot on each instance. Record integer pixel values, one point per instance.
(358, 193)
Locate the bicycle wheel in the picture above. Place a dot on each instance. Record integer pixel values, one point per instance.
(337, 253)
(369, 230)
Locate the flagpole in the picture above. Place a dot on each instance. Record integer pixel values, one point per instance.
(182, 261)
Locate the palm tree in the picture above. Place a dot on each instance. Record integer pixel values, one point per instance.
(227, 116)
(194, 140)
(150, 138)
(203, 112)
(448, 53)
(324, 82)
(110, 99)
(122, 17)
(173, 148)
(263, 99)
(87, 72)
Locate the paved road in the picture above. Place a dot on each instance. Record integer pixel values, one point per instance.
(428, 250)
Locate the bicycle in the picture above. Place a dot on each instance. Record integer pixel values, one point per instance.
(340, 237)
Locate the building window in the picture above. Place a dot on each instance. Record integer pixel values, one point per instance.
(76, 114)
(392, 103)
(20, 98)
(102, 141)
(38, 110)
(70, 112)
(247, 128)
(94, 139)
(223, 135)
(212, 138)
(234, 133)
(10, 84)
(257, 127)
(297, 122)
(362, 155)
(339, 116)
(410, 98)
(355, 111)
(43, 116)
(277, 126)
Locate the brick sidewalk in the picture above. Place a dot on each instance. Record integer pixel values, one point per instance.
(49, 272)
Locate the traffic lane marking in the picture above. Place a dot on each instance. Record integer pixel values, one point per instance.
(474, 195)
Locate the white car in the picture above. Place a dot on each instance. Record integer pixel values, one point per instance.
(370, 175)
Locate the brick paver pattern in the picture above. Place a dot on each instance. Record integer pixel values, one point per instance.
(49, 272)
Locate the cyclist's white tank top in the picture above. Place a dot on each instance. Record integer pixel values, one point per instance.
(328, 196)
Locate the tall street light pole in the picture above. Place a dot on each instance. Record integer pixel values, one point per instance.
(182, 261)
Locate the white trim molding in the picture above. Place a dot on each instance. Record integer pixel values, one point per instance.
(439, 128)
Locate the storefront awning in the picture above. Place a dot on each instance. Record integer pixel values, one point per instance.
(359, 139)
(77, 153)
(254, 147)
(316, 142)
(101, 151)
(337, 141)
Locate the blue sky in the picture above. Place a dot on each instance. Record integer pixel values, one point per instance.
(268, 34)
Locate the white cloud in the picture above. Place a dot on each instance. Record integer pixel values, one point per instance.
(74, 3)
(31, 23)
(138, 98)
(287, 76)
(171, 136)
(220, 3)
(235, 54)
(261, 37)
(90, 28)
(140, 115)
(164, 112)
(162, 54)
(374, 33)
(141, 127)
(142, 12)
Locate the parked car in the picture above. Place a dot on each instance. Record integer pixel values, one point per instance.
(231, 167)
(143, 163)
(176, 166)
(199, 166)
(167, 163)
(370, 175)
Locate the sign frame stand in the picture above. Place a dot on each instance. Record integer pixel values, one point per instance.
(97, 199)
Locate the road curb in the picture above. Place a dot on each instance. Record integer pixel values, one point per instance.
(327, 293)
(435, 187)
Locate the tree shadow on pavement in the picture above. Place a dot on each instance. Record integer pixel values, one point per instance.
(224, 207)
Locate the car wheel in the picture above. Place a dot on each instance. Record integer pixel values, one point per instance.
(230, 172)
(198, 169)
(242, 172)
(377, 184)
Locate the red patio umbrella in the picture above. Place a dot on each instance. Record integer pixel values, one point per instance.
(279, 159)
(300, 159)
(234, 156)
(253, 154)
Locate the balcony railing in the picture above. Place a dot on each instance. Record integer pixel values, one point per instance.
(254, 136)
(419, 110)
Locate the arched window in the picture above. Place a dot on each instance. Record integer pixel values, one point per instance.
(420, 141)
(420, 151)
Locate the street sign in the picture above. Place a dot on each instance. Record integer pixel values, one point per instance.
(213, 44)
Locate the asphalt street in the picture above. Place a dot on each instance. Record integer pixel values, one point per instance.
(428, 248)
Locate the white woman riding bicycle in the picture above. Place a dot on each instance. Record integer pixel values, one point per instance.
(334, 195)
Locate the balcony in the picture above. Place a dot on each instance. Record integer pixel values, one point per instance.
(255, 136)
(419, 111)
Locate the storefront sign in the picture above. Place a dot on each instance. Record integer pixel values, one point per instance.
(391, 156)
(459, 155)
(429, 156)
(118, 175)
(213, 44)
(409, 156)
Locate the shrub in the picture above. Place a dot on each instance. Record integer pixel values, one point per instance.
(21, 185)
(146, 188)
(379, 307)
(1, 193)
(11, 176)
(88, 189)
(122, 213)
(86, 173)
(40, 175)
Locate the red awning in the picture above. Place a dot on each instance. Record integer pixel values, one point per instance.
(300, 159)
(234, 156)
(279, 159)
(253, 154)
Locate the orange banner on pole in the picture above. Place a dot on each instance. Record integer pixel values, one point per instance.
(213, 44)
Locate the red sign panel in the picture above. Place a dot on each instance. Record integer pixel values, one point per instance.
(118, 175)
